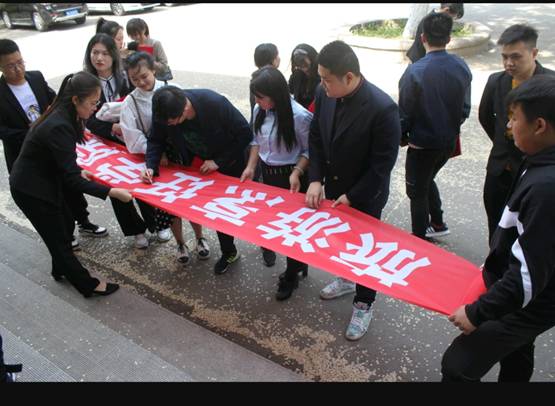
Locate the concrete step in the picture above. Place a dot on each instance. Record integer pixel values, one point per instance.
(60, 336)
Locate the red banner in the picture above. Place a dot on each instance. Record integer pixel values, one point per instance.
(341, 241)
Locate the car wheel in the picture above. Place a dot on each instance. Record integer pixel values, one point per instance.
(117, 9)
(39, 22)
(81, 20)
(7, 20)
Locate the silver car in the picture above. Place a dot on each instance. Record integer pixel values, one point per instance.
(120, 9)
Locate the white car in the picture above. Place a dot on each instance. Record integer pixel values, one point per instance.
(120, 9)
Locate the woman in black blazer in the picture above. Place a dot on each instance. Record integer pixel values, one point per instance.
(46, 164)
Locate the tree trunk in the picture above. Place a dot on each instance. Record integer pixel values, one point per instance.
(417, 12)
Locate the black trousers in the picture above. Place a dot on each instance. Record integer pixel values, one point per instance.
(53, 223)
(421, 167)
(279, 176)
(129, 220)
(235, 169)
(496, 192)
(77, 205)
(509, 341)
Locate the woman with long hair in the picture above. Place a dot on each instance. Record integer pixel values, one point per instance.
(46, 164)
(103, 61)
(304, 75)
(280, 127)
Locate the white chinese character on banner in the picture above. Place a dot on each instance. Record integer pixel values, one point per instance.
(92, 151)
(306, 228)
(173, 190)
(388, 273)
(127, 173)
(233, 209)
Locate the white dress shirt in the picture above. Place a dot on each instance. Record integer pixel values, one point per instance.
(266, 138)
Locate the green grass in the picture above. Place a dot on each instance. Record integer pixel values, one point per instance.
(394, 29)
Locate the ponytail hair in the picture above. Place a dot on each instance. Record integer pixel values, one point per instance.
(82, 85)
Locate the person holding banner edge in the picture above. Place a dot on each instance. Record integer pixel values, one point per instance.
(503, 323)
(280, 127)
(46, 163)
(353, 145)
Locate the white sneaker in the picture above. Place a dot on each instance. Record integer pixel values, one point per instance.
(141, 242)
(203, 249)
(338, 287)
(360, 320)
(183, 254)
(164, 235)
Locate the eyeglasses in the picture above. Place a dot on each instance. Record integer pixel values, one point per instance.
(93, 104)
(13, 66)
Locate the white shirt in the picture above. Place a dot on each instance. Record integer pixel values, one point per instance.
(27, 100)
(133, 135)
(266, 138)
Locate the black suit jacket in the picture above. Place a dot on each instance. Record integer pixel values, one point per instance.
(47, 162)
(494, 116)
(14, 123)
(358, 158)
(224, 130)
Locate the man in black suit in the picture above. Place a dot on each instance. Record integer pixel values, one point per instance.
(202, 123)
(353, 145)
(519, 53)
(24, 96)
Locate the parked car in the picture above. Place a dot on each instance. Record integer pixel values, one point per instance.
(120, 9)
(43, 15)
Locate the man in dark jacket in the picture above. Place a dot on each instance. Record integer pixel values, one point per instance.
(503, 323)
(24, 96)
(353, 145)
(202, 123)
(519, 60)
(434, 99)
(417, 50)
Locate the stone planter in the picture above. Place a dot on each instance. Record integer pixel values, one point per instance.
(396, 48)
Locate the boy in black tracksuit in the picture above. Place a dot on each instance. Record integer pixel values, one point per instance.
(502, 324)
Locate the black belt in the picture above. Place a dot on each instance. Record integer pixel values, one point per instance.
(277, 170)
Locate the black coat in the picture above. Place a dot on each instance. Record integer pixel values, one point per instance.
(494, 116)
(359, 159)
(224, 130)
(14, 123)
(47, 162)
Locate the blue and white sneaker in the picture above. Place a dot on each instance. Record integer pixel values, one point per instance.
(360, 320)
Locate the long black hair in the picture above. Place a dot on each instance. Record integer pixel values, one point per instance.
(82, 85)
(110, 45)
(301, 85)
(269, 81)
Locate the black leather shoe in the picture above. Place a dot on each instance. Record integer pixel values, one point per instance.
(302, 272)
(286, 288)
(269, 257)
(110, 288)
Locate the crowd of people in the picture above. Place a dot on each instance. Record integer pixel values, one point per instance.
(326, 131)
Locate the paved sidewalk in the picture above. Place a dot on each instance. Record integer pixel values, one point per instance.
(185, 324)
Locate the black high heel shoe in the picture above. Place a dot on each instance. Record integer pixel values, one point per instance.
(110, 288)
